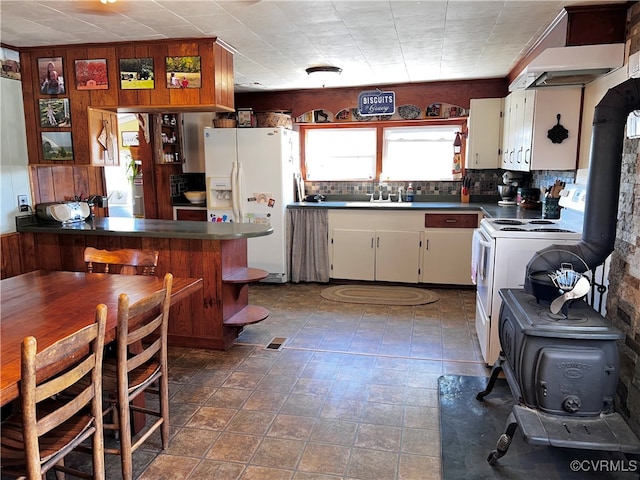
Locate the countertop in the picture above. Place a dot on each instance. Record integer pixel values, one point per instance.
(491, 209)
(141, 227)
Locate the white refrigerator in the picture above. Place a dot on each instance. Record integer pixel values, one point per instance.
(250, 176)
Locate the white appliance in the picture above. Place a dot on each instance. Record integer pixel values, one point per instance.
(502, 248)
(574, 65)
(250, 176)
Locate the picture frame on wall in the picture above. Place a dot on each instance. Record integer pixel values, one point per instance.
(51, 75)
(130, 139)
(57, 146)
(54, 112)
(136, 73)
(183, 72)
(10, 60)
(91, 74)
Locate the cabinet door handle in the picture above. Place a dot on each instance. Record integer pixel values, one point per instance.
(371, 242)
(378, 242)
(427, 244)
(451, 220)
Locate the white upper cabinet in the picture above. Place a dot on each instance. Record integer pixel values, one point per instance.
(535, 139)
(485, 133)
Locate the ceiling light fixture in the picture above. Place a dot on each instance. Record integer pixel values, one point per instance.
(104, 2)
(324, 74)
(324, 69)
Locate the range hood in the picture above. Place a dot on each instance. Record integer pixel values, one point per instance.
(561, 66)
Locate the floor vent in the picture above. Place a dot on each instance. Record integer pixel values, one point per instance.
(276, 343)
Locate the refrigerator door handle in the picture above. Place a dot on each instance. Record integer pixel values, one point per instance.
(234, 190)
(238, 193)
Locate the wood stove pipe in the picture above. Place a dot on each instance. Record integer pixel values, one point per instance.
(603, 185)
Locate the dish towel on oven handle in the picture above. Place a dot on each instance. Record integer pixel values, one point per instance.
(475, 256)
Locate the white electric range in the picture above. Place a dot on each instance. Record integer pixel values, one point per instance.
(503, 247)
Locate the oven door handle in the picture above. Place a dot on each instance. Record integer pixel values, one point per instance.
(484, 246)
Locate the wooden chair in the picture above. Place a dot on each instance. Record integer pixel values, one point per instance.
(132, 261)
(55, 418)
(140, 366)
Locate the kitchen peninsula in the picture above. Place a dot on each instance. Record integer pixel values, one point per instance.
(216, 252)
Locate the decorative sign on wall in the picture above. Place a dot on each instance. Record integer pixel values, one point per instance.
(375, 102)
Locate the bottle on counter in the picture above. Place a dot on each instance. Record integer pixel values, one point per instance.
(410, 193)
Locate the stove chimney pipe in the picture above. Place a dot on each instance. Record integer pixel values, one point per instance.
(603, 185)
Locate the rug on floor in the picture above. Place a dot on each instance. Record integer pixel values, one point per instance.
(470, 428)
(379, 295)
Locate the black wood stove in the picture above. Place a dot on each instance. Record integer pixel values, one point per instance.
(562, 370)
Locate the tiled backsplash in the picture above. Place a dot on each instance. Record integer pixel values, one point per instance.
(186, 182)
(483, 182)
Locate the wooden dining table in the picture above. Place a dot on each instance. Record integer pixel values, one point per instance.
(51, 305)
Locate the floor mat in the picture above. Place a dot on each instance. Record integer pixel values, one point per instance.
(379, 295)
(470, 428)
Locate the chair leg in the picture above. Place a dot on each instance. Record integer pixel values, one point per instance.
(125, 441)
(163, 389)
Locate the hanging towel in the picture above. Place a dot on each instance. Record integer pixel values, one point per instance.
(475, 256)
(102, 138)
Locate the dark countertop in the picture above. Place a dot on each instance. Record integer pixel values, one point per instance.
(141, 227)
(492, 209)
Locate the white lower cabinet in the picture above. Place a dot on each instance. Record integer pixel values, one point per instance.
(369, 245)
(447, 247)
(402, 246)
(383, 255)
(354, 254)
(447, 256)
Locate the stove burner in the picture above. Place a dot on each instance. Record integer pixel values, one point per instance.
(513, 229)
(541, 222)
(547, 229)
(506, 221)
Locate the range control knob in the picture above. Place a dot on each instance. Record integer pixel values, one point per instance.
(572, 404)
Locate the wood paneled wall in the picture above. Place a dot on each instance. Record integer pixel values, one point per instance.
(57, 183)
(17, 254)
(216, 93)
(335, 99)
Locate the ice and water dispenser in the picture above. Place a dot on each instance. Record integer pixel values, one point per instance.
(219, 192)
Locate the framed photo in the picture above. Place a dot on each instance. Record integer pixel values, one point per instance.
(130, 139)
(92, 74)
(136, 73)
(57, 146)
(51, 75)
(183, 72)
(54, 112)
(10, 60)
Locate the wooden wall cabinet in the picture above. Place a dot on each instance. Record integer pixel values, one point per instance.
(103, 137)
(168, 138)
(215, 94)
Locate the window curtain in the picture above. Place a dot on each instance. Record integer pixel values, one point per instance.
(308, 244)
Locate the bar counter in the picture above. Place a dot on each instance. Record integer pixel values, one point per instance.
(216, 252)
(148, 228)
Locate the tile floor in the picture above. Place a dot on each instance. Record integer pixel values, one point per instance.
(351, 395)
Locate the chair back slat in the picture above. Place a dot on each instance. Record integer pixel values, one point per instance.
(130, 261)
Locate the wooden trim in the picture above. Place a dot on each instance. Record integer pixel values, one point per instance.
(379, 126)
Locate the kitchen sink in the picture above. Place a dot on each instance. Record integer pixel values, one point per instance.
(377, 204)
